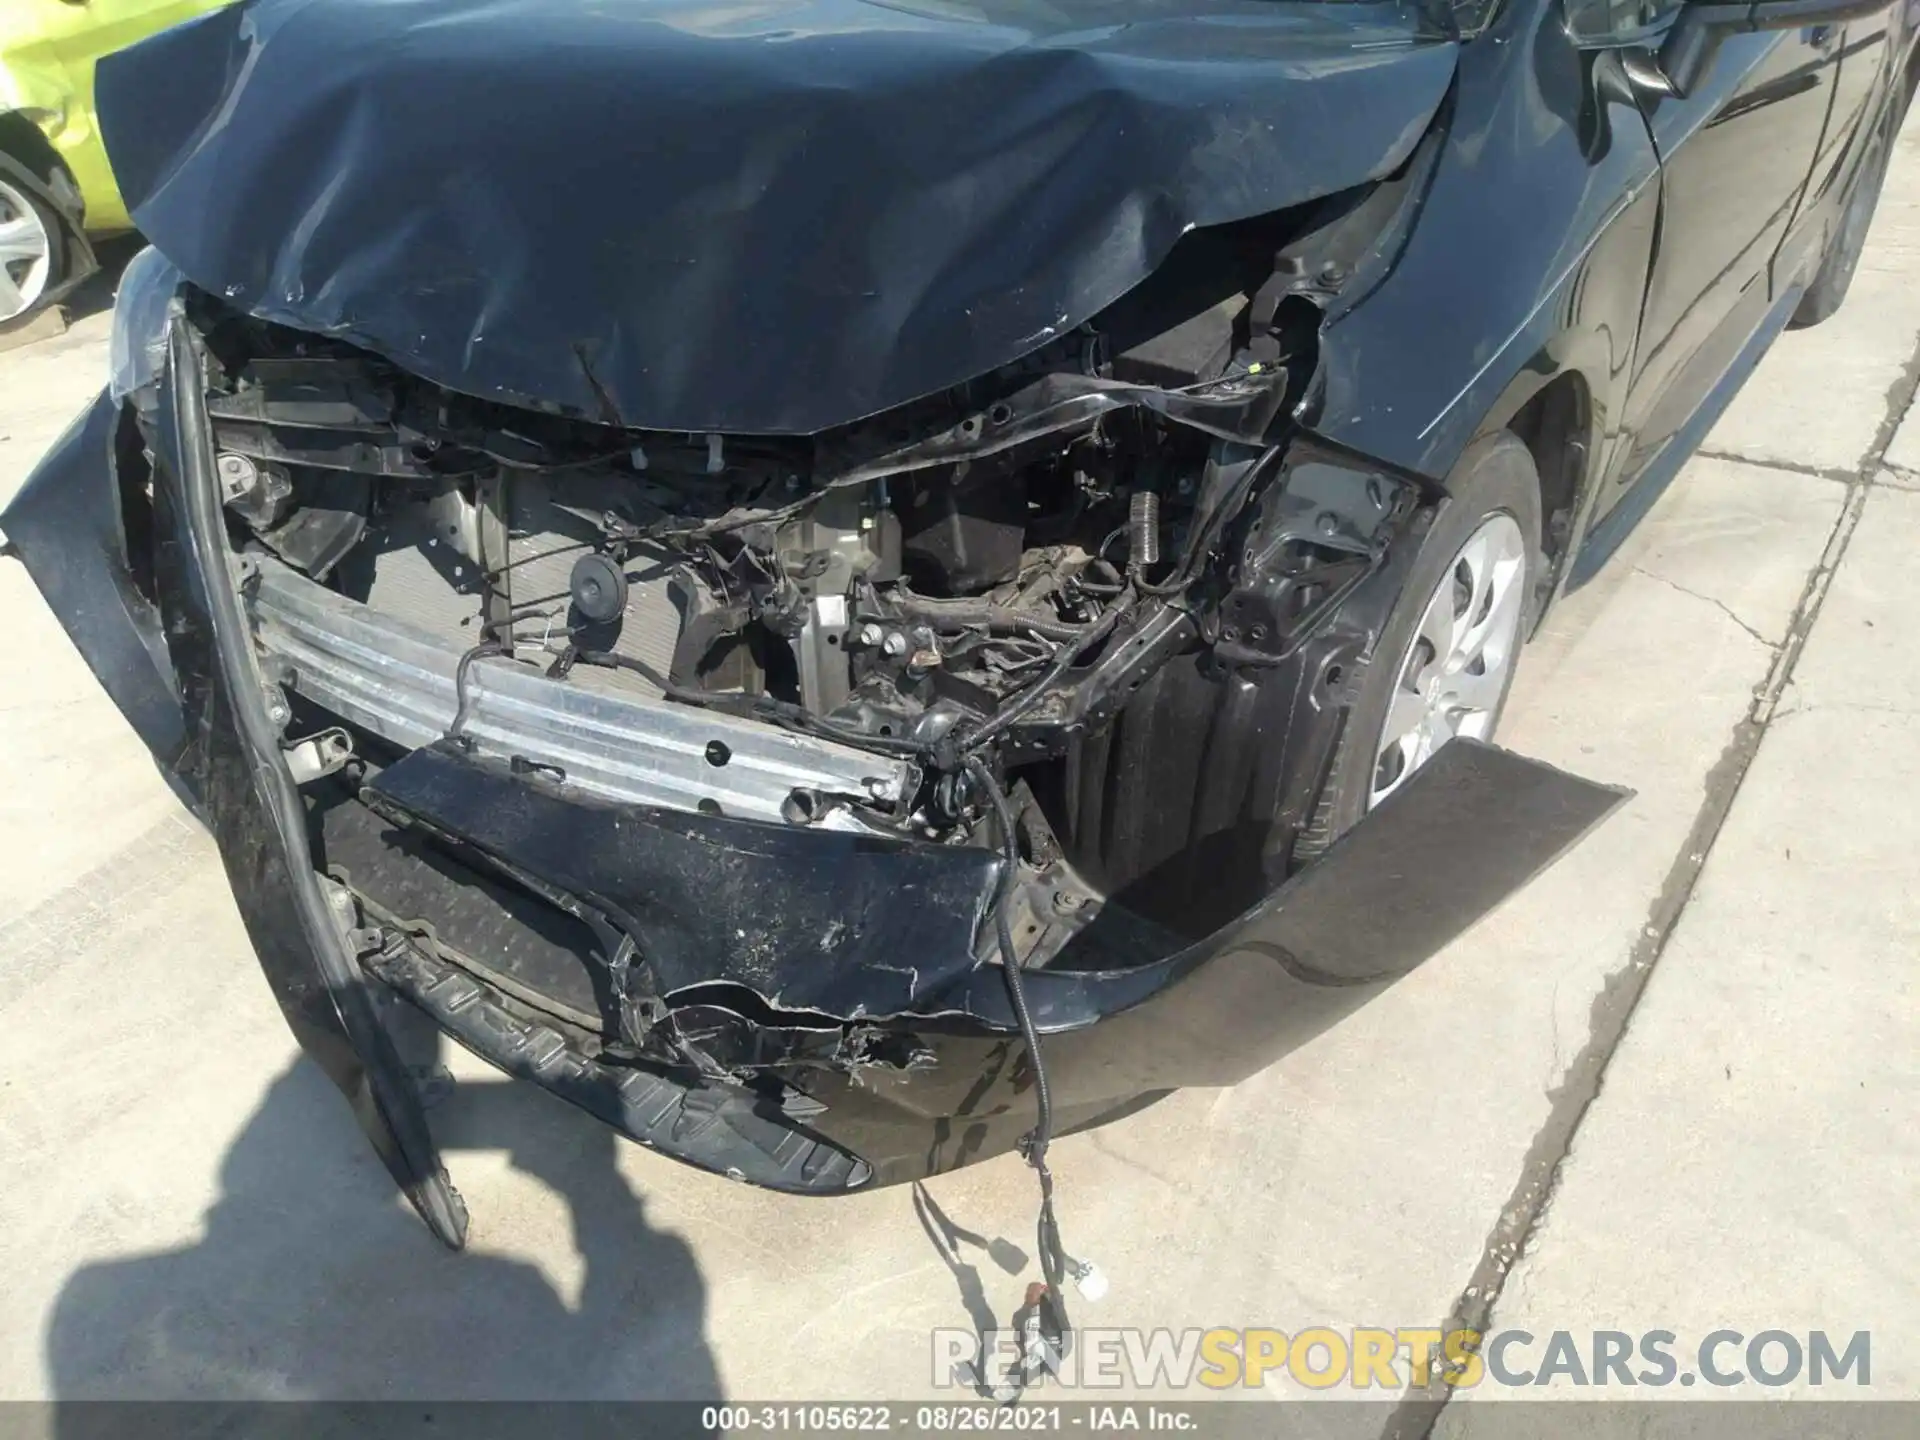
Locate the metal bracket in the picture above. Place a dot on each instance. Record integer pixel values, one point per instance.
(319, 755)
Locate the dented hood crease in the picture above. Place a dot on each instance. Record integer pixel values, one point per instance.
(768, 218)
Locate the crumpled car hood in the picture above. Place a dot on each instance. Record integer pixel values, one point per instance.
(749, 217)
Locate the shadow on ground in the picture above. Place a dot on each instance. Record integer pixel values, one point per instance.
(313, 1280)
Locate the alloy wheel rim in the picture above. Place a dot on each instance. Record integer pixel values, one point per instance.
(26, 254)
(1453, 676)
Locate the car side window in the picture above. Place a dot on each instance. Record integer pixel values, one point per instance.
(1601, 22)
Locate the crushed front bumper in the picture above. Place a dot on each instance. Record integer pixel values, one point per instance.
(798, 1007)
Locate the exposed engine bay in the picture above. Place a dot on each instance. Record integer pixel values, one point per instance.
(949, 597)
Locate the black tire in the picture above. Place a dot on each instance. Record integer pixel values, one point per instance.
(59, 252)
(1495, 476)
(1835, 276)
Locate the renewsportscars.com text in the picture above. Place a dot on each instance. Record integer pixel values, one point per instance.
(1366, 1358)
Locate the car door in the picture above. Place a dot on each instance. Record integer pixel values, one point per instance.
(1735, 156)
(1864, 53)
(1861, 51)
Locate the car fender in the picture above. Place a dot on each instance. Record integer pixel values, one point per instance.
(1480, 312)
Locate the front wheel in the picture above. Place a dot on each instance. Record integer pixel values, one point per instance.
(1446, 657)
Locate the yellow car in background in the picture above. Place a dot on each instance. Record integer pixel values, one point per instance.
(55, 183)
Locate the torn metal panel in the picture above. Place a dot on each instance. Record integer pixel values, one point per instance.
(768, 222)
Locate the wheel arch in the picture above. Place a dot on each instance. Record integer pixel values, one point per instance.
(28, 143)
(1554, 420)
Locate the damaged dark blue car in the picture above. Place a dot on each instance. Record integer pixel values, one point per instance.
(830, 579)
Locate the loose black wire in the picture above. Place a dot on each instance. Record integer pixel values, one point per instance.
(461, 698)
(491, 575)
(1053, 1260)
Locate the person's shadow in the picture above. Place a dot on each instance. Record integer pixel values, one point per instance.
(313, 1280)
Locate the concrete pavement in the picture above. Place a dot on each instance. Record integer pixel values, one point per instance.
(1749, 1162)
(190, 1212)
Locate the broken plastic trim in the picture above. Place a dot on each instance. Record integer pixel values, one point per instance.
(867, 929)
(390, 1112)
(718, 1127)
(138, 343)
